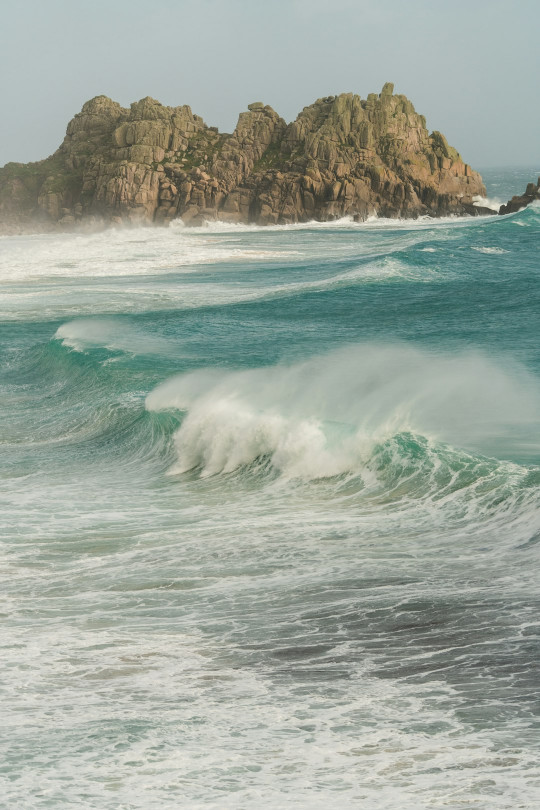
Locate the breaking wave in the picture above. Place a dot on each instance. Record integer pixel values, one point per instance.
(487, 202)
(331, 415)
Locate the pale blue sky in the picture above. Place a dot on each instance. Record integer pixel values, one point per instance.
(470, 66)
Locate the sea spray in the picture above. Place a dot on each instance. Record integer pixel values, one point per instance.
(112, 334)
(321, 417)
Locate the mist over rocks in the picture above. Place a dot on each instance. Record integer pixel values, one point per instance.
(342, 156)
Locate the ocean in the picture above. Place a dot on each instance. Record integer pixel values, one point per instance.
(270, 515)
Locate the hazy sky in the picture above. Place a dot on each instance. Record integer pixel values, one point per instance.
(470, 66)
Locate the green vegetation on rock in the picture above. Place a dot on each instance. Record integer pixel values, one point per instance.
(343, 155)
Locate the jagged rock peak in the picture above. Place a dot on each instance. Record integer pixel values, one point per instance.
(343, 155)
(150, 109)
(99, 105)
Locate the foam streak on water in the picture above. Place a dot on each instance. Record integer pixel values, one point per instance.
(271, 516)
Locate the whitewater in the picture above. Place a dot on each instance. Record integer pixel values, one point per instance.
(270, 515)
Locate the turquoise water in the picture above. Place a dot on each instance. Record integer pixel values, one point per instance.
(271, 515)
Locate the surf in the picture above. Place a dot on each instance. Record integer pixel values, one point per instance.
(322, 417)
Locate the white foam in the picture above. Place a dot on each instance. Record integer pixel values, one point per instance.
(322, 417)
(487, 202)
(491, 251)
(218, 227)
(149, 716)
(119, 253)
(372, 222)
(140, 269)
(109, 296)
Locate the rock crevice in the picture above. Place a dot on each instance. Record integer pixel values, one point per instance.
(343, 155)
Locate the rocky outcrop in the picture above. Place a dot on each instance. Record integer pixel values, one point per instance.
(532, 193)
(343, 155)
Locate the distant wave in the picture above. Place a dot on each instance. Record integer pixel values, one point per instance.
(343, 223)
(119, 253)
(109, 333)
(124, 261)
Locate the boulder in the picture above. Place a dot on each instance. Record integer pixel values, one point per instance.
(532, 193)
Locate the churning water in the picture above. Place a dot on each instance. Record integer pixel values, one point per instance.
(271, 516)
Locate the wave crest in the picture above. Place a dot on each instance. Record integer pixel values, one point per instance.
(325, 416)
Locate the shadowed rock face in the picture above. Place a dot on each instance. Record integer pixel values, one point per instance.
(343, 155)
(532, 193)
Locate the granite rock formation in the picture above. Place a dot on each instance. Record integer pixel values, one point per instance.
(343, 155)
(532, 193)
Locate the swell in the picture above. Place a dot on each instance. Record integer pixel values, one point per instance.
(66, 407)
(381, 426)
(378, 424)
(166, 269)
